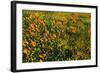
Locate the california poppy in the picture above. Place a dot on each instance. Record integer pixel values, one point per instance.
(32, 26)
(33, 43)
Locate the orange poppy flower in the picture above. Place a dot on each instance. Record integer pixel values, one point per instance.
(32, 26)
(41, 21)
(33, 43)
(46, 33)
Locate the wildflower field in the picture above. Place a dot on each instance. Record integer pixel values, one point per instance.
(55, 36)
